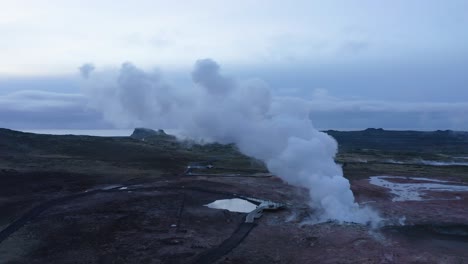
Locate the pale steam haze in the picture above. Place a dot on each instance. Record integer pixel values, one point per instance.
(266, 75)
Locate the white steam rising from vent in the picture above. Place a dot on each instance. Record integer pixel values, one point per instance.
(276, 130)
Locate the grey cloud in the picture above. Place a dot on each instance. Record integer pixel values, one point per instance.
(63, 84)
(30, 100)
(387, 106)
(328, 112)
(39, 109)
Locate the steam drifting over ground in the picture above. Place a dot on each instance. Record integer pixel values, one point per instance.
(218, 108)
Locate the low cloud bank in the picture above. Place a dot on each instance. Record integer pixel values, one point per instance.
(42, 110)
(46, 105)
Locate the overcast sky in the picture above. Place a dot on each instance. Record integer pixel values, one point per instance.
(400, 64)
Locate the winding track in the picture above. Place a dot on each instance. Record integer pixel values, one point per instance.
(207, 257)
(227, 245)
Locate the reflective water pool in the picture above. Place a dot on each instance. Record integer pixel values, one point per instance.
(233, 205)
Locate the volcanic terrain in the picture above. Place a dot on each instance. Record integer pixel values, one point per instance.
(142, 199)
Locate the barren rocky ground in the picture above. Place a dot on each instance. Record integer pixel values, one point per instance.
(78, 199)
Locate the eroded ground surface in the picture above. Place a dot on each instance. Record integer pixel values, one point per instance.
(171, 225)
(149, 213)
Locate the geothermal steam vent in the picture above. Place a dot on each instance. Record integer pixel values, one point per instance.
(276, 130)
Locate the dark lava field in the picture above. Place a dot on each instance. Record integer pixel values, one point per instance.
(142, 199)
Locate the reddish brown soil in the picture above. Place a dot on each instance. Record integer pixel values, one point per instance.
(137, 226)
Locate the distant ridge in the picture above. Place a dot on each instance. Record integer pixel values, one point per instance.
(446, 141)
(439, 141)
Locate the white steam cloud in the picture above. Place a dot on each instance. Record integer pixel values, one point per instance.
(86, 69)
(218, 108)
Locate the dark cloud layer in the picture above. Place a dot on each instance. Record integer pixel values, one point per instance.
(39, 109)
(411, 96)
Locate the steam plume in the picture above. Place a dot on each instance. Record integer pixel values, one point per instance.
(86, 69)
(218, 108)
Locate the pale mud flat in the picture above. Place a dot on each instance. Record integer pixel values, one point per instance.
(415, 188)
(428, 162)
(419, 200)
